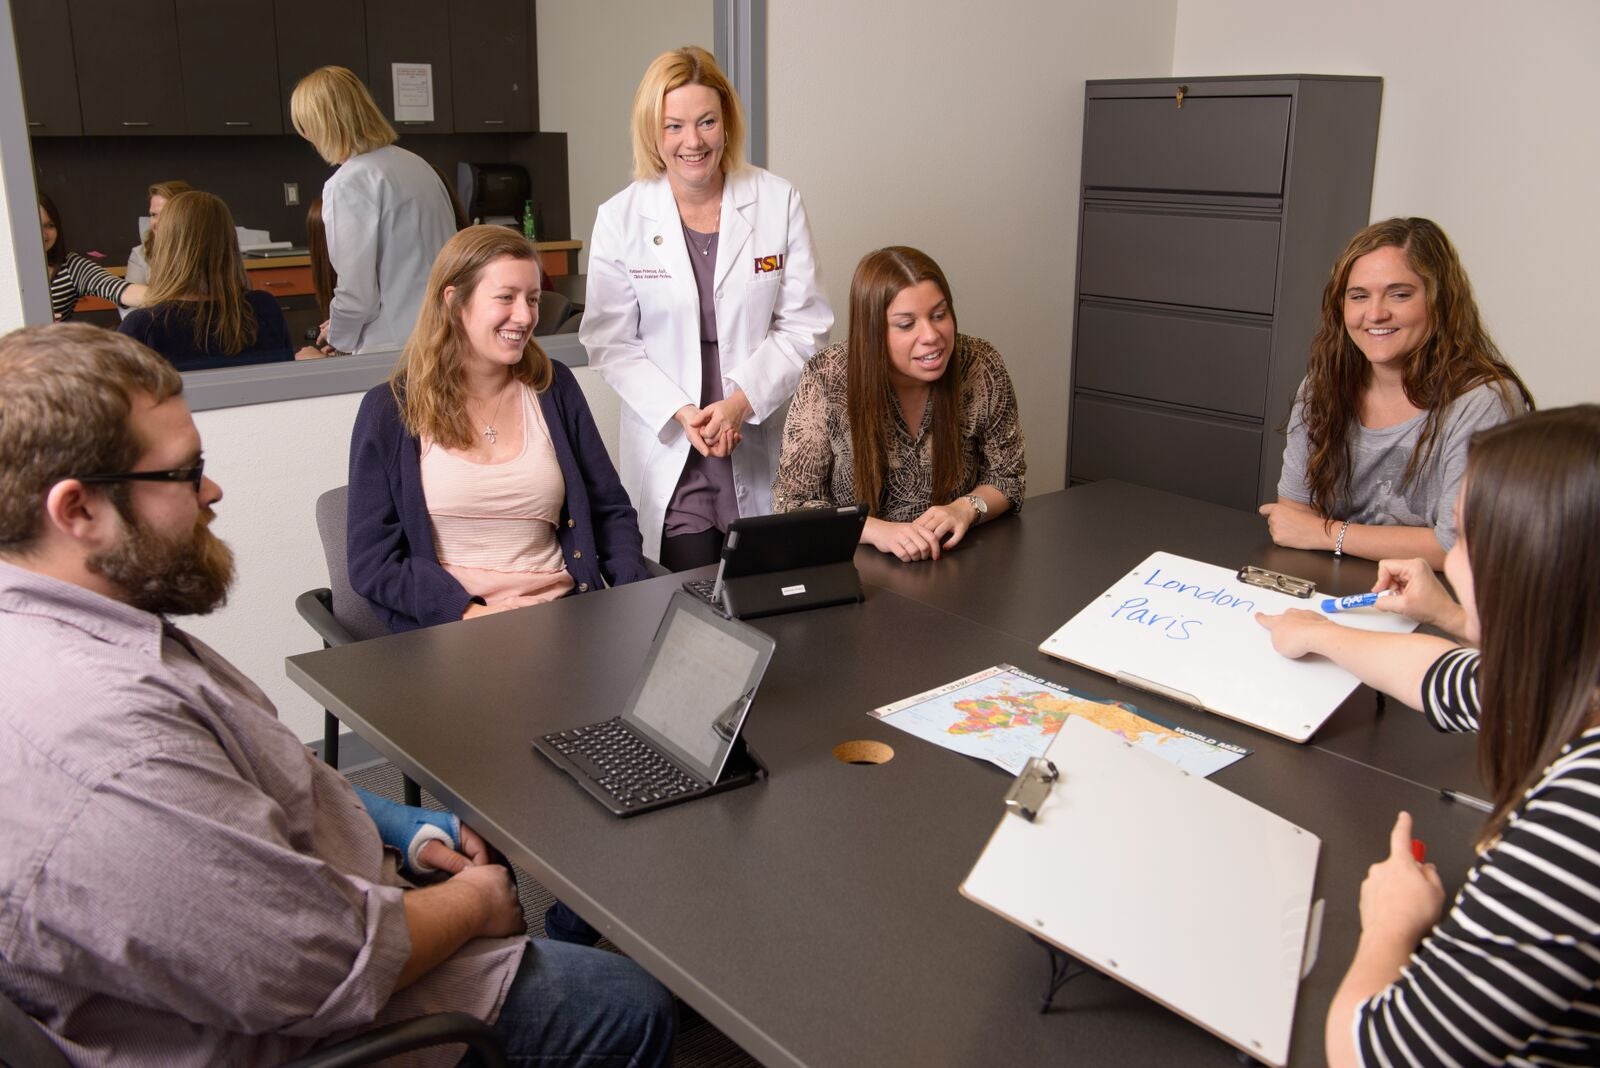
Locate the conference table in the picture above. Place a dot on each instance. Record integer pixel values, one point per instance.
(814, 917)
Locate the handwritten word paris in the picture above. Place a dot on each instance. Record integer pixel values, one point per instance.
(1176, 627)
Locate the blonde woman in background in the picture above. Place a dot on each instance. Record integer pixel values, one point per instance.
(138, 269)
(386, 212)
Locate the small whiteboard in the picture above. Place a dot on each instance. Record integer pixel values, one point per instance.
(1165, 881)
(1187, 630)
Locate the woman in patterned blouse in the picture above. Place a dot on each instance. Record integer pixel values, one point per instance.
(918, 421)
(72, 276)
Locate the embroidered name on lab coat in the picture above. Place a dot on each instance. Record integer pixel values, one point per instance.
(649, 272)
(768, 264)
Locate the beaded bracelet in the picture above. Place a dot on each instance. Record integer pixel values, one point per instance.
(1338, 543)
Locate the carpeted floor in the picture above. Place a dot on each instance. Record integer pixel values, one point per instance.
(699, 1044)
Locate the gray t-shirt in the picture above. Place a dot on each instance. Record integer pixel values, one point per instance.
(1378, 461)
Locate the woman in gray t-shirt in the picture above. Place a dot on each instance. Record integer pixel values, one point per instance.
(1401, 375)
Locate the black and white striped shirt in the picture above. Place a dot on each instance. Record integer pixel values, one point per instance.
(1512, 974)
(80, 277)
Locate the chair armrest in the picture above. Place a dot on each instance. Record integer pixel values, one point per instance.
(439, 1029)
(316, 608)
(655, 568)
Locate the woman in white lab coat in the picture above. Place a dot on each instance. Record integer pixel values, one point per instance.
(702, 308)
(387, 213)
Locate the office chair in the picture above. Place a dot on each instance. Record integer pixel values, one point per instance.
(339, 614)
(23, 1043)
(554, 310)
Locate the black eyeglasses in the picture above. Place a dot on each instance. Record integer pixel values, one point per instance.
(191, 475)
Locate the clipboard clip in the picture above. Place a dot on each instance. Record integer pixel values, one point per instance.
(1251, 575)
(1031, 789)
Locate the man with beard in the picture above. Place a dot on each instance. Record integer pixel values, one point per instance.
(182, 882)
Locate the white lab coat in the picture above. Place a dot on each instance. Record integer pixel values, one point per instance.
(641, 327)
(387, 215)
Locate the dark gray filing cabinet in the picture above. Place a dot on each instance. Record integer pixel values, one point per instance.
(1205, 238)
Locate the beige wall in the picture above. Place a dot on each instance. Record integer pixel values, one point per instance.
(957, 129)
(591, 54)
(1488, 128)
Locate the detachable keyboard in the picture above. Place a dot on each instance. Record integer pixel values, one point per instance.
(626, 768)
(703, 589)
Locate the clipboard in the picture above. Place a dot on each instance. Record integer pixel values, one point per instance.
(1164, 881)
(1186, 630)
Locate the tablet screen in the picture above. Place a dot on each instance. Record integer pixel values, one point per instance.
(697, 684)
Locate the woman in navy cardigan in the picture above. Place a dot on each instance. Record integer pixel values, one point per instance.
(475, 402)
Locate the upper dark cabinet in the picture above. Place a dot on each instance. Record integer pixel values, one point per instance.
(49, 75)
(129, 67)
(491, 53)
(130, 77)
(230, 67)
(318, 33)
(410, 31)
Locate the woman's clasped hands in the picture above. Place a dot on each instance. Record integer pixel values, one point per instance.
(714, 429)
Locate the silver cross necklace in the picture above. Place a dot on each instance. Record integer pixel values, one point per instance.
(489, 432)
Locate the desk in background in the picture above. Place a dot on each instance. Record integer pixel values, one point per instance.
(290, 276)
(814, 917)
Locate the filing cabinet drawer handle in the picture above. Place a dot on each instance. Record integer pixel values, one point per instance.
(126, 123)
(1183, 90)
(494, 122)
(235, 122)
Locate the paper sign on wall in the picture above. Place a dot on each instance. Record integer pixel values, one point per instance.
(413, 91)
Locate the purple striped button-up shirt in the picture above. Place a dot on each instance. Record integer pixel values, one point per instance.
(182, 882)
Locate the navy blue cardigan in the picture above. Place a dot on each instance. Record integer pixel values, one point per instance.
(390, 538)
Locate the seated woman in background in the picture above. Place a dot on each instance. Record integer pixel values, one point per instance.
(201, 311)
(918, 421)
(1401, 374)
(139, 256)
(478, 480)
(72, 276)
(323, 281)
(1509, 975)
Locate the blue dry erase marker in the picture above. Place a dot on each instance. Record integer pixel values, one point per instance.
(1355, 600)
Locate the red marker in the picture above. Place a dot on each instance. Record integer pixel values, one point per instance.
(1419, 852)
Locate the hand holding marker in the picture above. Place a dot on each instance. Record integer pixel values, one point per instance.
(1355, 600)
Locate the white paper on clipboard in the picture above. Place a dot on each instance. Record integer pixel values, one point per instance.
(1187, 630)
(1165, 881)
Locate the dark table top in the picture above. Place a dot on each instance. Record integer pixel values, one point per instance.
(814, 917)
(1027, 575)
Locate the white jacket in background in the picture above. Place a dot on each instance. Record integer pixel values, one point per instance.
(387, 215)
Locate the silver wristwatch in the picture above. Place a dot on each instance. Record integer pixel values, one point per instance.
(981, 505)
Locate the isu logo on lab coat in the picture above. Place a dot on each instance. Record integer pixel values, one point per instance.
(767, 264)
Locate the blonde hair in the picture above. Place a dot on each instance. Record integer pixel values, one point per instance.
(689, 65)
(197, 263)
(333, 110)
(166, 191)
(428, 383)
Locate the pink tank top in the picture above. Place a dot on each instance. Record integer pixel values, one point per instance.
(494, 525)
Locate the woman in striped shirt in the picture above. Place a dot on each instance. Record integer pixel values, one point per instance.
(72, 276)
(1511, 974)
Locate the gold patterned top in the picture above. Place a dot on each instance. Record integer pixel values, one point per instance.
(815, 468)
